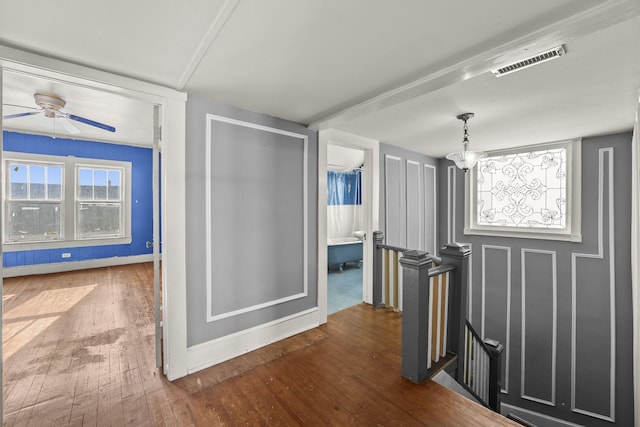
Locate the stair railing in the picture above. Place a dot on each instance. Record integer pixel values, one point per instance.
(387, 275)
(481, 367)
(435, 331)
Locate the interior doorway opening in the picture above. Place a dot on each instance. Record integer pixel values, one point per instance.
(345, 227)
(18, 86)
(370, 190)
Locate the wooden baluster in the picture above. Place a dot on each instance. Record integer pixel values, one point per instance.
(433, 282)
(430, 332)
(465, 356)
(387, 279)
(396, 268)
(444, 304)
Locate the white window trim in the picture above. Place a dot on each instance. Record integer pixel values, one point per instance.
(573, 230)
(68, 228)
(124, 194)
(8, 201)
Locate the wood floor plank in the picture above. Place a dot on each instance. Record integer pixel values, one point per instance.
(80, 350)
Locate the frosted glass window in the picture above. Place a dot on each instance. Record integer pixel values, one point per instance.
(526, 189)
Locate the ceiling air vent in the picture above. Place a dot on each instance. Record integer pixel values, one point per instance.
(548, 55)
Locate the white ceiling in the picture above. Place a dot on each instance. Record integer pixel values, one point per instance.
(370, 67)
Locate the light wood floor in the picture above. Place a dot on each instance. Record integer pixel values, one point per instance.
(79, 350)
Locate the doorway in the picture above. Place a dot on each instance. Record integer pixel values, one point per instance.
(13, 77)
(345, 227)
(369, 209)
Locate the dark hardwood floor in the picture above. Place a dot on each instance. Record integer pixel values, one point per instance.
(79, 350)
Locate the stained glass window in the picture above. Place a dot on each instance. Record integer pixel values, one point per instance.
(526, 189)
(529, 192)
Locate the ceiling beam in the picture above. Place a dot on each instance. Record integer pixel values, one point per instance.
(591, 20)
(206, 42)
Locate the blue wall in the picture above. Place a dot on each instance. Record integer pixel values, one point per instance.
(141, 196)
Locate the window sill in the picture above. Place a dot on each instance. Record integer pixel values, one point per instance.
(58, 244)
(521, 234)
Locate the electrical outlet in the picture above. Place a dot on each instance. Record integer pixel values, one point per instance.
(66, 255)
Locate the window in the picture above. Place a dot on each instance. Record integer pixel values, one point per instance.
(531, 192)
(34, 202)
(56, 201)
(98, 202)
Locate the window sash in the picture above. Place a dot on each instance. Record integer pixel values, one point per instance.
(108, 225)
(33, 221)
(40, 180)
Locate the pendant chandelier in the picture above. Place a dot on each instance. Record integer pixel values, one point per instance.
(466, 159)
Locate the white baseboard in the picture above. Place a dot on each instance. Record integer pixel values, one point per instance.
(59, 267)
(216, 351)
(535, 418)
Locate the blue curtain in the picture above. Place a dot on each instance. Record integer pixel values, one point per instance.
(343, 188)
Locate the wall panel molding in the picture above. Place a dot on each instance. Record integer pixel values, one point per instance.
(451, 203)
(304, 291)
(415, 205)
(430, 231)
(393, 236)
(507, 344)
(554, 331)
(602, 154)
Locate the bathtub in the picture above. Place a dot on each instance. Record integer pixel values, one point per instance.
(342, 250)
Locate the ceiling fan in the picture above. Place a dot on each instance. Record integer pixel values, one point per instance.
(52, 107)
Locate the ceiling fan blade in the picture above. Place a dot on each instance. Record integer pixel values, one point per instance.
(21, 106)
(91, 122)
(14, 116)
(68, 126)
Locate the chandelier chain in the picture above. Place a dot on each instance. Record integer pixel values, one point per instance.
(465, 139)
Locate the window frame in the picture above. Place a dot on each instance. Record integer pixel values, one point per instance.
(78, 201)
(572, 231)
(68, 220)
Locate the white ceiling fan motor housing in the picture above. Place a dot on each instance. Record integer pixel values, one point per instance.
(49, 103)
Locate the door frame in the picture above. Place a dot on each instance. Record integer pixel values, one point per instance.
(172, 174)
(371, 201)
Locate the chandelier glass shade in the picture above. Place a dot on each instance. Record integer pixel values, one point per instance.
(466, 159)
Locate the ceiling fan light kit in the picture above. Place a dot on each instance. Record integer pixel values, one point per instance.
(51, 106)
(466, 159)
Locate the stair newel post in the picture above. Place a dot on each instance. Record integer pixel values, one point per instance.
(458, 255)
(415, 314)
(378, 238)
(495, 366)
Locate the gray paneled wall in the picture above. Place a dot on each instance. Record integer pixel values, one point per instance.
(408, 199)
(562, 309)
(251, 220)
